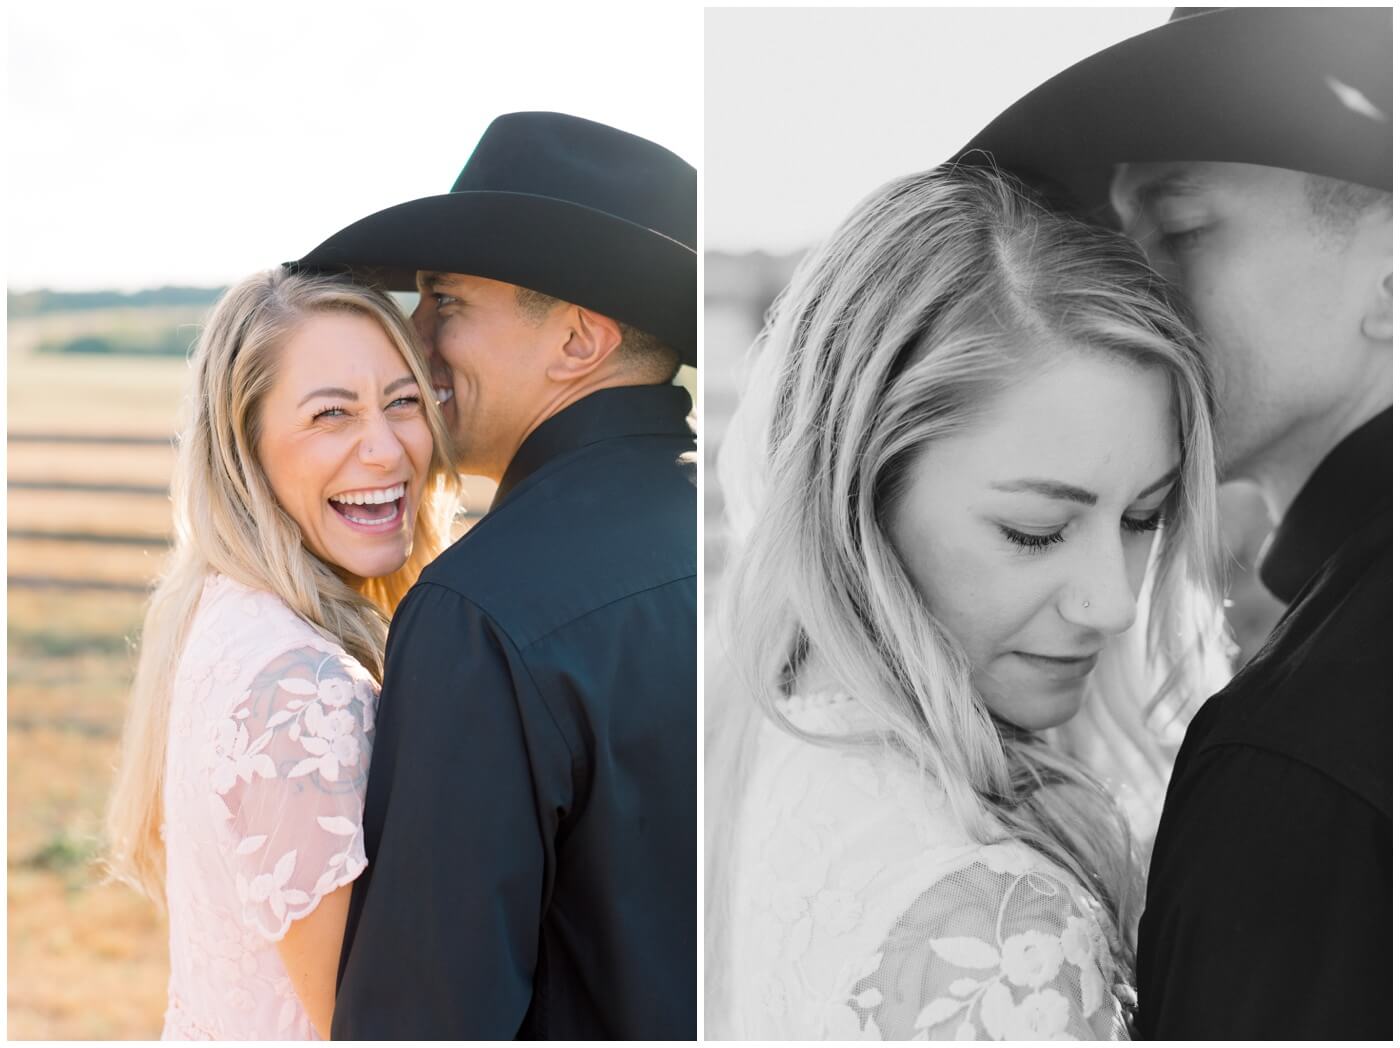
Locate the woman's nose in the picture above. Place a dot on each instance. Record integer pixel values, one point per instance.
(1102, 595)
(379, 444)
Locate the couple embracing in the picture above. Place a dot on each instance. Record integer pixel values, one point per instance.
(390, 787)
(965, 775)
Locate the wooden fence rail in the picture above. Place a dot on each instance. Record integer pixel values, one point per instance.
(95, 537)
(121, 439)
(90, 487)
(54, 582)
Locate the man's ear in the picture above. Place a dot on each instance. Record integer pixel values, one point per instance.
(592, 340)
(1373, 246)
(1378, 323)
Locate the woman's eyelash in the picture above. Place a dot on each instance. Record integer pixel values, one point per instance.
(1142, 524)
(1035, 542)
(413, 399)
(1030, 541)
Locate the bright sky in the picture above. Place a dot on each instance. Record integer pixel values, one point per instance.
(807, 111)
(193, 143)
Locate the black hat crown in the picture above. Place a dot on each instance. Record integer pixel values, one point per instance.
(1306, 89)
(568, 158)
(557, 204)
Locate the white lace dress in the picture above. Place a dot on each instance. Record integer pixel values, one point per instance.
(264, 792)
(862, 911)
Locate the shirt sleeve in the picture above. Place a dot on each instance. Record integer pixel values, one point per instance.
(1268, 906)
(287, 769)
(994, 951)
(444, 928)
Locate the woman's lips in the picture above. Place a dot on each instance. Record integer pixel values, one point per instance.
(376, 527)
(1061, 667)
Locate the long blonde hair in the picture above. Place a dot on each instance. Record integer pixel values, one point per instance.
(227, 520)
(940, 290)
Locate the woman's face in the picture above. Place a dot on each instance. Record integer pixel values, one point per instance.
(345, 444)
(1028, 533)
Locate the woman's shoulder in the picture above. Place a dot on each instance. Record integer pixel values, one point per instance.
(233, 615)
(873, 800)
(823, 792)
(238, 633)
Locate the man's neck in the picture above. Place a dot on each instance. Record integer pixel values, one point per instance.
(1282, 472)
(572, 394)
(562, 399)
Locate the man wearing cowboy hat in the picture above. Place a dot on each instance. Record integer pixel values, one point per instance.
(1249, 151)
(530, 818)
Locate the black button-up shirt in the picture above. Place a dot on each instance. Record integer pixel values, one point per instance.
(1269, 899)
(531, 812)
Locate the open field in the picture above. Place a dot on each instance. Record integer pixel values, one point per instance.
(94, 394)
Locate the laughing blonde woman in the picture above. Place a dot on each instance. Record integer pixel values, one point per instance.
(311, 487)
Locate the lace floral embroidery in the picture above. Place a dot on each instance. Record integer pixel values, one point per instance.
(1034, 973)
(314, 711)
(265, 772)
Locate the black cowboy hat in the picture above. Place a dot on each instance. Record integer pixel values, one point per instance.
(1308, 89)
(572, 208)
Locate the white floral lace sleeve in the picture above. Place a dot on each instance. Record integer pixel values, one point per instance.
(998, 950)
(861, 908)
(286, 766)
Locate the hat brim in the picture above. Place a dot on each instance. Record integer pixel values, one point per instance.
(1304, 89)
(581, 255)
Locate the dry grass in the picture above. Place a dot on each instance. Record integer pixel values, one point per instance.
(86, 959)
(85, 964)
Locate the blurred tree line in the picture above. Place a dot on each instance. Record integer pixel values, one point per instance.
(34, 303)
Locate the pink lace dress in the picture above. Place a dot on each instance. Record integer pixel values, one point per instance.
(264, 792)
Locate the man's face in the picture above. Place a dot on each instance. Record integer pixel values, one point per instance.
(1277, 297)
(493, 357)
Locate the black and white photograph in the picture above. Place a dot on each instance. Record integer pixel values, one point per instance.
(1048, 473)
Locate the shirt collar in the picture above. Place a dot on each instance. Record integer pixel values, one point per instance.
(621, 411)
(1352, 485)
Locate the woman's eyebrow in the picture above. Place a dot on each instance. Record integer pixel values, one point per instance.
(336, 391)
(1054, 489)
(1166, 478)
(329, 391)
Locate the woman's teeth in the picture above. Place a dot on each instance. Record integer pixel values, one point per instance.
(382, 505)
(443, 394)
(371, 498)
